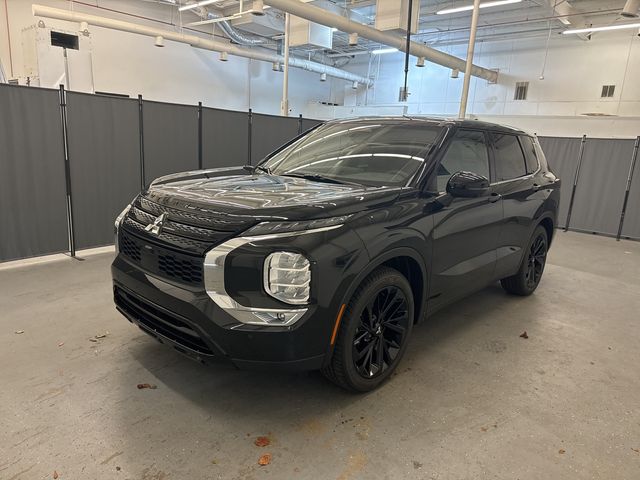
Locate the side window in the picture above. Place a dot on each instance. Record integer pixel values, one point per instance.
(467, 151)
(509, 159)
(530, 155)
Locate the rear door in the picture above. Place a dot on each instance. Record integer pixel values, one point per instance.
(514, 168)
(465, 232)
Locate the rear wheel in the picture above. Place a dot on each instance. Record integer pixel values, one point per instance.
(532, 267)
(373, 333)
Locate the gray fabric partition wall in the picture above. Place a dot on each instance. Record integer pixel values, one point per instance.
(601, 185)
(32, 183)
(225, 138)
(562, 155)
(631, 227)
(268, 132)
(307, 124)
(104, 152)
(170, 139)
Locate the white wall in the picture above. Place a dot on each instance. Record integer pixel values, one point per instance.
(573, 79)
(130, 64)
(574, 74)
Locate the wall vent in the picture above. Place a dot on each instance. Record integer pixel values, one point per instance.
(521, 91)
(607, 91)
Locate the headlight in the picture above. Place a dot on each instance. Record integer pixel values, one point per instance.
(287, 277)
(118, 221)
(267, 228)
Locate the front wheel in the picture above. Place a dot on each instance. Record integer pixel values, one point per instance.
(528, 277)
(373, 333)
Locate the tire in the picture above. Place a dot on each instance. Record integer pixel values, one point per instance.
(367, 349)
(528, 277)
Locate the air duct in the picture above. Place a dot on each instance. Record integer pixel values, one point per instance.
(631, 8)
(196, 41)
(324, 17)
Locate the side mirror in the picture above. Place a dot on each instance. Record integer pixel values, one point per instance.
(467, 184)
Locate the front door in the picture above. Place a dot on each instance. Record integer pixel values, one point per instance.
(465, 232)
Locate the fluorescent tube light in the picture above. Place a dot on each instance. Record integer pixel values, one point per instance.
(466, 8)
(197, 4)
(602, 29)
(382, 51)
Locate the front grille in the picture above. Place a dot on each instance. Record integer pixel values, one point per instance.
(161, 261)
(160, 321)
(185, 269)
(130, 248)
(177, 252)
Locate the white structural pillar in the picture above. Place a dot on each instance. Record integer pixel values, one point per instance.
(472, 44)
(284, 104)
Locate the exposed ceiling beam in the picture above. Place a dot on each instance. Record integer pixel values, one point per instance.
(196, 41)
(324, 17)
(568, 15)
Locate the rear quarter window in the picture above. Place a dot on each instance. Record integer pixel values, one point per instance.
(509, 159)
(530, 154)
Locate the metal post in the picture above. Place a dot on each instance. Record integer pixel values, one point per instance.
(405, 90)
(632, 167)
(575, 182)
(250, 117)
(67, 171)
(299, 124)
(284, 105)
(141, 140)
(469, 64)
(200, 136)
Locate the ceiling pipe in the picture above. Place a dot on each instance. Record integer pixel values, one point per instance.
(631, 8)
(324, 17)
(196, 41)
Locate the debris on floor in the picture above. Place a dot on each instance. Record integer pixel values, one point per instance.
(262, 441)
(61, 344)
(55, 474)
(264, 459)
(562, 451)
(524, 335)
(147, 385)
(18, 332)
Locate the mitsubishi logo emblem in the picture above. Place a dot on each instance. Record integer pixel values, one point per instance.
(155, 228)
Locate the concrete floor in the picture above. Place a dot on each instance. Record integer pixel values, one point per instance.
(471, 398)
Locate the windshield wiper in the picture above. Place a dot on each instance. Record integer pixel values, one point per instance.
(318, 178)
(253, 169)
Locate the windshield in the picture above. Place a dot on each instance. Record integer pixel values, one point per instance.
(367, 153)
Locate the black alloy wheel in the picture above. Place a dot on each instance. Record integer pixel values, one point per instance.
(380, 332)
(535, 262)
(528, 277)
(373, 333)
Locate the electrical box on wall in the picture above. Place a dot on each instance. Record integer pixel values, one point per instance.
(306, 33)
(393, 15)
(54, 57)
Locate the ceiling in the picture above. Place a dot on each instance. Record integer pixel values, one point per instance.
(527, 19)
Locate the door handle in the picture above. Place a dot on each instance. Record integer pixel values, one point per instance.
(494, 197)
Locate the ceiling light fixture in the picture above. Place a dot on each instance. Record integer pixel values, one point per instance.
(202, 3)
(601, 29)
(467, 8)
(382, 51)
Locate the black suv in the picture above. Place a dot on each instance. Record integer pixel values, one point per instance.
(327, 253)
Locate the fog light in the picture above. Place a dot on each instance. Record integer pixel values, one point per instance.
(287, 277)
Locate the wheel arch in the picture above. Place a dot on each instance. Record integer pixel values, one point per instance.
(410, 264)
(548, 223)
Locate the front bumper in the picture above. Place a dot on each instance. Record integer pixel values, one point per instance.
(189, 321)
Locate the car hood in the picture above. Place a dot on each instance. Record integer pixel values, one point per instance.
(268, 197)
